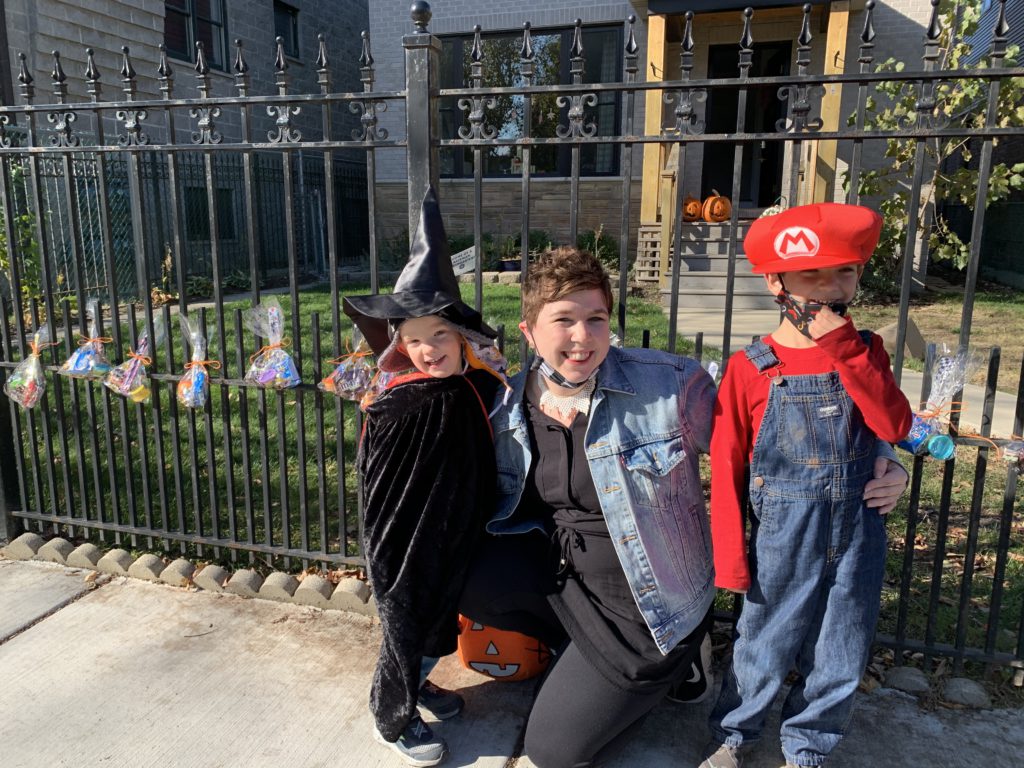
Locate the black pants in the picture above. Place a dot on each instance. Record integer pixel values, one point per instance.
(579, 717)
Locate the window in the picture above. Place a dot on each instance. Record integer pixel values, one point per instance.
(189, 21)
(286, 26)
(602, 51)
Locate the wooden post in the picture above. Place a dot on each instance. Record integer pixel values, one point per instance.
(823, 153)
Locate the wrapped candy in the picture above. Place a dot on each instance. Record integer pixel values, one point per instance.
(378, 384)
(129, 379)
(351, 378)
(949, 374)
(1013, 454)
(271, 367)
(194, 386)
(89, 361)
(26, 384)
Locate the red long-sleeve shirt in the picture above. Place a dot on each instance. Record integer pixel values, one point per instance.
(742, 399)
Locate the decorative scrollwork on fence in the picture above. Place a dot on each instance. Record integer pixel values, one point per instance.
(133, 135)
(799, 97)
(685, 111)
(62, 134)
(283, 133)
(5, 140)
(477, 128)
(577, 129)
(206, 133)
(368, 111)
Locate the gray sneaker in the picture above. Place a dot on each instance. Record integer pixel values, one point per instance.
(718, 755)
(417, 744)
(439, 702)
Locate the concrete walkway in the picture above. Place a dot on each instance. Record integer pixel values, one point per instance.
(127, 673)
(750, 323)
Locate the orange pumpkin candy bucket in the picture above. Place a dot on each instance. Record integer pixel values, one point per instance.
(500, 654)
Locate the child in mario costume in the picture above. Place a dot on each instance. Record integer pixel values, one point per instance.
(801, 416)
(427, 473)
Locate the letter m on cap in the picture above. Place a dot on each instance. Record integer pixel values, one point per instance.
(793, 242)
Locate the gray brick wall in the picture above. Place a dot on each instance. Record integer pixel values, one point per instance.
(37, 27)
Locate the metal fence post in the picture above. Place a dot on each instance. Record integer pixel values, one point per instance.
(422, 65)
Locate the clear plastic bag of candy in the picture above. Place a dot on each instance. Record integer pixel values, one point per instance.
(352, 377)
(26, 383)
(194, 386)
(89, 361)
(949, 374)
(271, 367)
(129, 379)
(378, 384)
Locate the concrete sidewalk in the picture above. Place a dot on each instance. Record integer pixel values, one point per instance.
(749, 323)
(129, 673)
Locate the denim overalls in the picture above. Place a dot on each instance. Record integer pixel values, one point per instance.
(817, 561)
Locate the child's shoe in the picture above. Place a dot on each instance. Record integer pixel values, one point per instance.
(417, 744)
(697, 686)
(439, 702)
(721, 756)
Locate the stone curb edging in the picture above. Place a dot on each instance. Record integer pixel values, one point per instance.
(350, 594)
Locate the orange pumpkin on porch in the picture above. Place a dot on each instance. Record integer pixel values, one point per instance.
(691, 208)
(717, 208)
(500, 654)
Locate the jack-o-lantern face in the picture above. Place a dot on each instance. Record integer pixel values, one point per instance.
(691, 208)
(500, 654)
(716, 208)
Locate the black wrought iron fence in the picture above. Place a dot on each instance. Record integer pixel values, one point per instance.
(268, 474)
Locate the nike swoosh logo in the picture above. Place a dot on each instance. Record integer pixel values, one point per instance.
(695, 677)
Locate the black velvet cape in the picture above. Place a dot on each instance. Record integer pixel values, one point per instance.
(426, 463)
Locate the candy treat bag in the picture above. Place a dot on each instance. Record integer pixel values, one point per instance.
(89, 361)
(194, 386)
(129, 378)
(271, 367)
(26, 384)
(351, 378)
(949, 374)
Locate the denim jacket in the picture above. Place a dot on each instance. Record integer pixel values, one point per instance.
(649, 420)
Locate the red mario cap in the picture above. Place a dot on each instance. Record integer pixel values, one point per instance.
(812, 237)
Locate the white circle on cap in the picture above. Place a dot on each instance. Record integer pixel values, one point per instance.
(793, 242)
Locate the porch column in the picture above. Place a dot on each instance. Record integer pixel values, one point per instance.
(823, 153)
(654, 159)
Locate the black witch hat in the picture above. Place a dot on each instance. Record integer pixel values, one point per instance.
(427, 286)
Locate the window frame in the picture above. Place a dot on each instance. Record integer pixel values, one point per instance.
(192, 18)
(462, 167)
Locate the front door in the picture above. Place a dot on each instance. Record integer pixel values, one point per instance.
(761, 180)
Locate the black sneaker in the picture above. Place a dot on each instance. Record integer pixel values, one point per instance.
(417, 744)
(697, 685)
(439, 702)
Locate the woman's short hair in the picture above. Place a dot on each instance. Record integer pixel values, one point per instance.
(558, 272)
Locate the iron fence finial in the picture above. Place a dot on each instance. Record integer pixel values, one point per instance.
(934, 29)
(92, 74)
(57, 74)
(526, 50)
(1002, 26)
(805, 29)
(631, 44)
(280, 61)
(867, 35)
(128, 73)
(322, 62)
(365, 58)
(202, 66)
(241, 66)
(421, 15)
(688, 34)
(747, 39)
(25, 78)
(165, 73)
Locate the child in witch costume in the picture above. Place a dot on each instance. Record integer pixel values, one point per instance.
(802, 424)
(426, 463)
